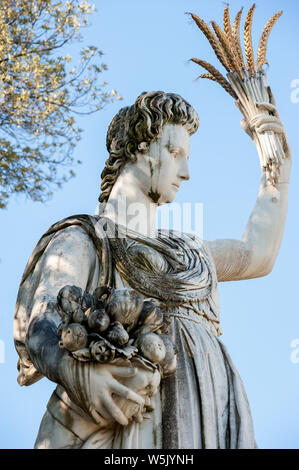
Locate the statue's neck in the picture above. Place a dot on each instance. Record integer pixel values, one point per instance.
(130, 207)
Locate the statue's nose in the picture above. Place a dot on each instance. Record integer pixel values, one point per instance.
(184, 173)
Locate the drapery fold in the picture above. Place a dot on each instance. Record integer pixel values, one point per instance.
(204, 404)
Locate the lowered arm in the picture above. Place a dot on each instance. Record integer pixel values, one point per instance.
(69, 259)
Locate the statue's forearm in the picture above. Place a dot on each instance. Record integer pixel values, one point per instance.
(60, 265)
(42, 344)
(55, 363)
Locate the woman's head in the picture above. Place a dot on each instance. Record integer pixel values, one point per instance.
(135, 127)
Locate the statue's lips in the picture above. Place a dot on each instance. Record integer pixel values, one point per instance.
(175, 186)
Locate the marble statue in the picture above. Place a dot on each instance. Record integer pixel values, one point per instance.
(203, 404)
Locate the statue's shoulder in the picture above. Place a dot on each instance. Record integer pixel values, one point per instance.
(75, 228)
(85, 221)
(67, 233)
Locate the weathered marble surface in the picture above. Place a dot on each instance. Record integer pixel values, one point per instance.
(204, 404)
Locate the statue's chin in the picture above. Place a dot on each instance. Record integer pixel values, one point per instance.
(167, 198)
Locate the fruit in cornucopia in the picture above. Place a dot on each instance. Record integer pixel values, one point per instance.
(170, 367)
(100, 351)
(97, 320)
(148, 312)
(87, 301)
(69, 297)
(102, 293)
(169, 362)
(124, 305)
(151, 346)
(170, 349)
(73, 337)
(150, 319)
(69, 301)
(78, 315)
(117, 334)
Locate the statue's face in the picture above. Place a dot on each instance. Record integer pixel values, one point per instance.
(162, 169)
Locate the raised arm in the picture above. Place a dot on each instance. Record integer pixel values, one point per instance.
(255, 254)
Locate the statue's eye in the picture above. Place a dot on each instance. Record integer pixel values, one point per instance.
(174, 152)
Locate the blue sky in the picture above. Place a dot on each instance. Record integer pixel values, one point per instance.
(147, 46)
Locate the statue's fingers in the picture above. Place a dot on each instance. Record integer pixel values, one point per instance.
(286, 145)
(125, 392)
(114, 411)
(95, 415)
(265, 119)
(122, 371)
(138, 419)
(246, 128)
(270, 126)
(102, 411)
(268, 107)
(149, 405)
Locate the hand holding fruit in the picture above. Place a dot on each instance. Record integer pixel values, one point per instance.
(111, 331)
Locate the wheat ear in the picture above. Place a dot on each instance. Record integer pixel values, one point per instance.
(229, 35)
(209, 76)
(236, 36)
(228, 28)
(262, 49)
(212, 40)
(217, 76)
(248, 40)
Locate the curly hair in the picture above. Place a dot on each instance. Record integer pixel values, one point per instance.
(134, 127)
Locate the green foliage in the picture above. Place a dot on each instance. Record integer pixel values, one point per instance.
(41, 92)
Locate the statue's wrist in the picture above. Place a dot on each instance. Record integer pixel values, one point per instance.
(73, 376)
(283, 182)
(67, 371)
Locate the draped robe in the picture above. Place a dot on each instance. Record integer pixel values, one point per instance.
(204, 404)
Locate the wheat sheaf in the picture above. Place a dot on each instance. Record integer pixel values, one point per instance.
(227, 47)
